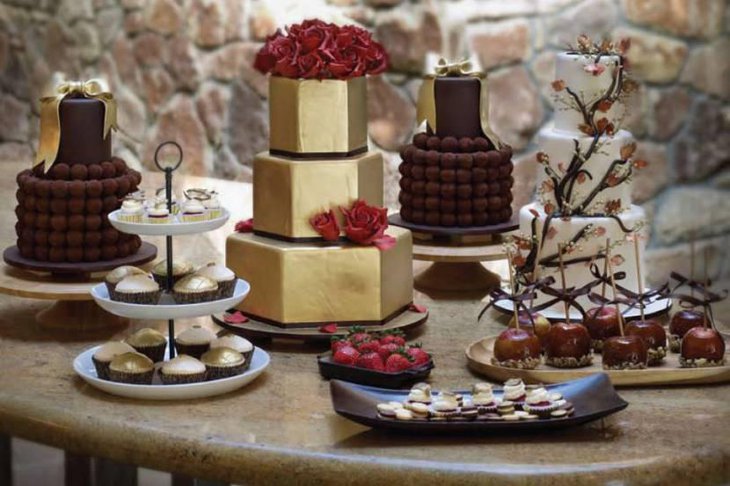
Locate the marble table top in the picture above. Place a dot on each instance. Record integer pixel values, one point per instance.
(282, 427)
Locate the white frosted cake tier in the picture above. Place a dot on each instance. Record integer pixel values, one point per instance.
(577, 273)
(571, 69)
(560, 147)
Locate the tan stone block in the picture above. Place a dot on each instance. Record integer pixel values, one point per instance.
(667, 111)
(652, 57)
(595, 17)
(647, 182)
(409, 33)
(515, 108)
(708, 68)
(688, 210)
(391, 114)
(500, 43)
(689, 18)
(150, 49)
(163, 16)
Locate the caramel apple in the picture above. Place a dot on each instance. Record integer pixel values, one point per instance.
(517, 348)
(701, 347)
(568, 345)
(653, 335)
(602, 323)
(624, 353)
(682, 322)
(533, 322)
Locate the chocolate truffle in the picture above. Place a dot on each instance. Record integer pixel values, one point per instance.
(448, 205)
(418, 172)
(448, 161)
(405, 184)
(93, 222)
(506, 152)
(74, 254)
(42, 221)
(123, 250)
(79, 172)
(419, 202)
(505, 170)
(481, 160)
(405, 169)
(43, 189)
(448, 175)
(77, 189)
(432, 218)
(432, 203)
(59, 222)
(107, 170)
(433, 143)
(108, 252)
(26, 250)
(109, 204)
(405, 198)
(29, 203)
(492, 174)
(76, 205)
(407, 154)
(494, 188)
(465, 161)
(480, 219)
(418, 187)
(449, 144)
(57, 238)
(433, 188)
(92, 254)
(494, 203)
(418, 216)
(448, 191)
(432, 158)
(123, 186)
(40, 237)
(58, 206)
(463, 176)
(76, 222)
(464, 219)
(109, 187)
(466, 144)
(28, 235)
(448, 219)
(56, 254)
(463, 205)
(60, 172)
(494, 159)
(478, 175)
(95, 171)
(93, 188)
(43, 205)
(29, 218)
(74, 238)
(92, 238)
(433, 173)
(506, 184)
(93, 206)
(419, 158)
(109, 236)
(463, 191)
(406, 213)
(420, 140)
(59, 189)
(481, 144)
(479, 204)
(40, 253)
(119, 166)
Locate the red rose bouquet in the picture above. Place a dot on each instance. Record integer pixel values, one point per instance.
(318, 50)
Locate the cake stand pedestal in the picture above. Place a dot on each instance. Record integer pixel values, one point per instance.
(74, 309)
(457, 255)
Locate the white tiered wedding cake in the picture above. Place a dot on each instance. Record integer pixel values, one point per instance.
(584, 175)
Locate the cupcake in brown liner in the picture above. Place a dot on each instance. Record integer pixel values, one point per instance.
(194, 341)
(182, 369)
(194, 289)
(115, 276)
(223, 363)
(149, 342)
(242, 345)
(137, 289)
(222, 275)
(106, 353)
(134, 368)
(180, 269)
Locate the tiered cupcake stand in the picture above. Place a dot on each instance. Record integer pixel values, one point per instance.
(168, 309)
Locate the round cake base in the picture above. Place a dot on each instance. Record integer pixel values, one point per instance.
(146, 253)
(451, 231)
(254, 329)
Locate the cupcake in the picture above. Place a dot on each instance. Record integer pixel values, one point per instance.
(223, 363)
(149, 342)
(194, 341)
(181, 370)
(538, 402)
(137, 289)
(222, 275)
(161, 197)
(115, 276)
(193, 211)
(483, 398)
(132, 368)
(194, 289)
(212, 206)
(180, 269)
(242, 345)
(106, 353)
(158, 214)
(131, 211)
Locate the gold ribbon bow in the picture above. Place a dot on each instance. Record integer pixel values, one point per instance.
(50, 135)
(426, 106)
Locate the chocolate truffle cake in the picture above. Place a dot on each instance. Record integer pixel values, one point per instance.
(453, 174)
(62, 212)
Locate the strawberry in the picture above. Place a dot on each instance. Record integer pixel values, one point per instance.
(418, 355)
(358, 335)
(370, 361)
(346, 355)
(368, 347)
(397, 362)
(395, 337)
(339, 342)
(387, 349)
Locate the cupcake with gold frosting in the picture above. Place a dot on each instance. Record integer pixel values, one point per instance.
(137, 289)
(194, 341)
(132, 368)
(222, 275)
(106, 353)
(149, 342)
(223, 363)
(182, 369)
(115, 276)
(180, 269)
(194, 289)
(242, 345)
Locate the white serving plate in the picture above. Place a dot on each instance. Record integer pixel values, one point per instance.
(655, 308)
(168, 310)
(84, 367)
(177, 227)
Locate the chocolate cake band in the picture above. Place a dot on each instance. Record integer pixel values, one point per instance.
(318, 155)
(304, 239)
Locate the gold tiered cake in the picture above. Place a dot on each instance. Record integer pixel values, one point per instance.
(318, 163)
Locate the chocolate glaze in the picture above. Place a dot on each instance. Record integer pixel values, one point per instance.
(457, 107)
(82, 129)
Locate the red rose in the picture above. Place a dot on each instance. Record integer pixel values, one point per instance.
(244, 226)
(326, 225)
(377, 59)
(366, 225)
(314, 35)
(348, 63)
(310, 66)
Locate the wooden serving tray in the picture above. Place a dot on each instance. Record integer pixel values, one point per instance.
(479, 356)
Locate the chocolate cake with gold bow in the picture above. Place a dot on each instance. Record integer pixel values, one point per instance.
(457, 172)
(75, 182)
(320, 249)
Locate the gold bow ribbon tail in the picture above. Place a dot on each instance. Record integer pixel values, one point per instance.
(50, 135)
(426, 105)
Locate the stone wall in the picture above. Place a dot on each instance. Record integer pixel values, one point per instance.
(181, 69)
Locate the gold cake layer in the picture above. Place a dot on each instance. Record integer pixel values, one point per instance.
(295, 284)
(288, 192)
(310, 116)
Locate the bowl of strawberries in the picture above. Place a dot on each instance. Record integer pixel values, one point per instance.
(382, 359)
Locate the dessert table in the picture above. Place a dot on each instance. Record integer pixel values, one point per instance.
(282, 426)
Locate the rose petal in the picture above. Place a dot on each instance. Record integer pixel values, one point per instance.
(330, 328)
(236, 317)
(385, 243)
(421, 309)
(244, 226)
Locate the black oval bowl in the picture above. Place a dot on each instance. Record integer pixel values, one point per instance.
(331, 370)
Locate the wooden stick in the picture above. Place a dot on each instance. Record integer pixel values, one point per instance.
(512, 288)
(692, 263)
(615, 293)
(707, 284)
(638, 274)
(535, 272)
(605, 267)
(562, 281)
